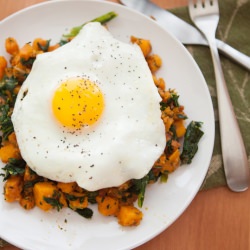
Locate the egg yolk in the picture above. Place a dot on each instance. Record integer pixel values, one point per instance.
(77, 102)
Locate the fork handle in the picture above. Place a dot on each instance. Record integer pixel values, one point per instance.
(233, 150)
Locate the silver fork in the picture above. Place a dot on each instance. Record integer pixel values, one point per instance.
(205, 15)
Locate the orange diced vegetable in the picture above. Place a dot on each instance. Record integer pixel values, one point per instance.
(11, 46)
(38, 43)
(78, 201)
(168, 121)
(174, 156)
(27, 201)
(53, 47)
(160, 83)
(129, 216)
(180, 128)
(13, 188)
(3, 62)
(47, 196)
(29, 174)
(12, 138)
(170, 163)
(26, 52)
(3, 65)
(107, 205)
(144, 44)
(154, 62)
(8, 151)
(66, 187)
(16, 89)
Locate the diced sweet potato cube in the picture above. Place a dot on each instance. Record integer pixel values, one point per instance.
(66, 187)
(12, 138)
(54, 47)
(77, 200)
(13, 188)
(129, 216)
(8, 151)
(11, 46)
(27, 201)
(144, 44)
(180, 128)
(3, 65)
(26, 52)
(29, 174)
(175, 157)
(47, 196)
(154, 62)
(107, 205)
(38, 43)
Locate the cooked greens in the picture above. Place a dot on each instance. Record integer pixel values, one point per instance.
(14, 167)
(191, 140)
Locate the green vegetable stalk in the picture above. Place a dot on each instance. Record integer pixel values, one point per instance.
(101, 19)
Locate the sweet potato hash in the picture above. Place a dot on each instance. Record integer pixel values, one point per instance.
(23, 185)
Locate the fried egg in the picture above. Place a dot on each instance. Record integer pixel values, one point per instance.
(89, 112)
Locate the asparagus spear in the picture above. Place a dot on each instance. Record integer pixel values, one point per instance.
(102, 19)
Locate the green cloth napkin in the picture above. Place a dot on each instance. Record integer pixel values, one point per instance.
(233, 29)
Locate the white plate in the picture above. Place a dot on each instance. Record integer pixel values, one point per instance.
(164, 203)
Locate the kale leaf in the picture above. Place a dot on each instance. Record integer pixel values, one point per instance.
(191, 140)
(85, 212)
(14, 167)
(6, 125)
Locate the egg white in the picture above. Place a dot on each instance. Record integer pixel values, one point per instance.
(127, 139)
